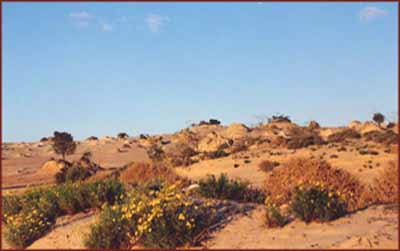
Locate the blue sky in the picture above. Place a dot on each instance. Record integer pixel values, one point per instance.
(103, 68)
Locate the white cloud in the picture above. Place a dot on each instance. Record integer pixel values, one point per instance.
(154, 22)
(372, 13)
(106, 27)
(82, 18)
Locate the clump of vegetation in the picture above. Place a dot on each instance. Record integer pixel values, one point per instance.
(386, 137)
(226, 189)
(273, 215)
(343, 135)
(368, 152)
(313, 125)
(379, 118)
(29, 216)
(267, 165)
(159, 219)
(220, 153)
(142, 173)
(92, 138)
(317, 203)
(181, 155)
(44, 139)
(281, 182)
(63, 144)
(210, 122)
(385, 187)
(156, 153)
(122, 135)
(78, 170)
(279, 118)
(303, 137)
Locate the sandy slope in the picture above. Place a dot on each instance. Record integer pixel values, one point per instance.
(376, 227)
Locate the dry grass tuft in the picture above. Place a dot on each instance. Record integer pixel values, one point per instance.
(297, 171)
(141, 173)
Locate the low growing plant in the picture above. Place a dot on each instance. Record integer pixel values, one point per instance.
(316, 203)
(224, 188)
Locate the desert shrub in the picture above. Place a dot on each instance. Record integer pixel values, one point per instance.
(385, 186)
(390, 125)
(92, 138)
(303, 137)
(214, 122)
(11, 205)
(26, 227)
(155, 153)
(279, 118)
(122, 135)
(45, 204)
(32, 222)
(343, 135)
(273, 215)
(385, 137)
(78, 170)
(160, 219)
(110, 231)
(313, 125)
(317, 203)
(181, 155)
(368, 152)
(224, 188)
(217, 154)
(281, 181)
(44, 139)
(141, 173)
(267, 165)
(63, 144)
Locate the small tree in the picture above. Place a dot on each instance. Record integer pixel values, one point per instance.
(63, 143)
(378, 118)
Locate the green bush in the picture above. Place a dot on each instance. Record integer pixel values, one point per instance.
(72, 173)
(27, 226)
(273, 215)
(110, 232)
(316, 203)
(32, 214)
(223, 188)
(158, 219)
(11, 205)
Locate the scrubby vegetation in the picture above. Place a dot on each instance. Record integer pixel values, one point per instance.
(267, 165)
(181, 155)
(226, 189)
(122, 135)
(31, 215)
(273, 215)
(282, 181)
(143, 173)
(303, 137)
(77, 170)
(386, 185)
(386, 137)
(158, 219)
(279, 118)
(343, 135)
(317, 203)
